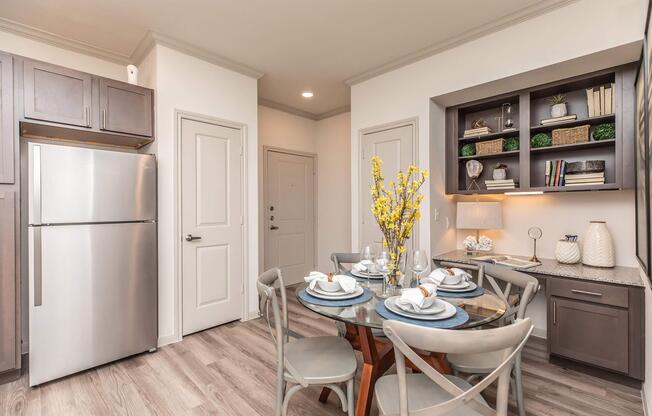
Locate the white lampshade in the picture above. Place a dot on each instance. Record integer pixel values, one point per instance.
(479, 215)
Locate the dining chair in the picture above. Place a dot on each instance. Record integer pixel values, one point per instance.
(432, 393)
(517, 292)
(341, 259)
(325, 361)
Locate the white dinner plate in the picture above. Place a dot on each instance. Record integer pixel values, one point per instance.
(364, 275)
(472, 286)
(464, 284)
(335, 295)
(436, 307)
(449, 311)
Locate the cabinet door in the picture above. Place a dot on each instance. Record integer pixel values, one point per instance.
(6, 120)
(591, 333)
(7, 282)
(57, 94)
(125, 108)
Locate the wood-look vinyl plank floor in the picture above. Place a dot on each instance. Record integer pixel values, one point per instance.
(231, 370)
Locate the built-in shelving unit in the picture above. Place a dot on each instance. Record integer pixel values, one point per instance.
(527, 165)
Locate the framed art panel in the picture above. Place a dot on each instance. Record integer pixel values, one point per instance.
(642, 165)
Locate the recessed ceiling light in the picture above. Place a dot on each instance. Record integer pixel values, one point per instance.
(307, 94)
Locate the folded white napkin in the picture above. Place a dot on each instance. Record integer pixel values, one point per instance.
(363, 266)
(415, 298)
(437, 276)
(347, 283)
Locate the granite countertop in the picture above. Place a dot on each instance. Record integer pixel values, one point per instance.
(628, 276)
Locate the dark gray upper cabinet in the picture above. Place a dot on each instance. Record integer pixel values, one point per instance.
(57, 94)
(6, 120)
(125, 108)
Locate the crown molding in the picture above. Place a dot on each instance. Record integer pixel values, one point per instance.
(30, 32)
(153, 38)
(301, 113)
(511, 19)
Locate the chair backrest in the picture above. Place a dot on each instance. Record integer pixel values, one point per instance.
(407, 337)
(528, 287)
(267, 297)
(340, 259)
(465, 266)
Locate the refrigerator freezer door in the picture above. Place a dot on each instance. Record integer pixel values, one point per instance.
(79, 185)
(98, 298)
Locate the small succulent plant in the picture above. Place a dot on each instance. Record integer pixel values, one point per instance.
(557, 99)
(500, 166)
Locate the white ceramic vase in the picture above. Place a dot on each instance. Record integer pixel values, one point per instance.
(558, 110)
(568, 252)
(598, 247)
(500, 174)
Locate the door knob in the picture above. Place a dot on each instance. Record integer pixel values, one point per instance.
(190, 237)
(273, 227)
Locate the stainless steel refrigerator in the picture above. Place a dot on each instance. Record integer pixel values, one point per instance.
(92, 258)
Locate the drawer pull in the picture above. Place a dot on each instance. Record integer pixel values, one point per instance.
(554, 313)
(585, 292)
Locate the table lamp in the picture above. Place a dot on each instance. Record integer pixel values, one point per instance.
(479, 216)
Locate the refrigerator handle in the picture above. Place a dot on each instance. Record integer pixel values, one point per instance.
(38, 266)
(36, 184)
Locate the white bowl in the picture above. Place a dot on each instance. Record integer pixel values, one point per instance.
(452, 280)
(427, 302)
(327, 286)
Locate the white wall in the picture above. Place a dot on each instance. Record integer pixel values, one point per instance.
(187, 84)
(406, 92)
(329, 140)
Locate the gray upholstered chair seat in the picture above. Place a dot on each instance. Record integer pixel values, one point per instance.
(321, 360)
(483, 363)
(422, 393)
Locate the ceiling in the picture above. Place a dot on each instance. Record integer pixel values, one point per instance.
(297, 45)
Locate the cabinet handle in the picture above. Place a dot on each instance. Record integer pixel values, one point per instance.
(104, 119)
(584, 292)
(86, 118)
(38, 268)
(554, 313)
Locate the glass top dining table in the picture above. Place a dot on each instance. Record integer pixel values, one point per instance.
(482, 309)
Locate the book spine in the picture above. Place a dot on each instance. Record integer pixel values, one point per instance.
(607, 100)
(613, 97)
(547, 173)
(562, 179)
(557, 172)
(603, 107)
(553, 166)
(589, 101)
(596, 103)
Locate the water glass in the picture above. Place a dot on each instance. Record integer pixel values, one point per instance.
(419, 262)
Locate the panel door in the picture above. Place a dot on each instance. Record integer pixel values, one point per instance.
(6, 120)
(395, 148)
(7, 282)
(125, 108)
(57, 94)
(212, 224)
(591, 333)
(290, 215)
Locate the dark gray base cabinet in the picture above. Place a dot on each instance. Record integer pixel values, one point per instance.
(597, 324)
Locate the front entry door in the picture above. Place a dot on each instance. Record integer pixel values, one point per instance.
(212, 224)
(290, 214)
(394, 146)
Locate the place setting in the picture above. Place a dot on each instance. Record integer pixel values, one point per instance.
(367, 269)
(333, 290)
(421, 306)
(452, 282)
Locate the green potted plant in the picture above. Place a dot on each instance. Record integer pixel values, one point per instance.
(540, 140)
(468, 149)
(511, 144)
(500, 172)
(606, 131)
(558, 106)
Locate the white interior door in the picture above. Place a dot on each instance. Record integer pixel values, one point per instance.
(290, 214)
(212, 224)
(395, 148)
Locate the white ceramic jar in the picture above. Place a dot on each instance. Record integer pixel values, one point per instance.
(558, 110)
(598, 247)
(568, 252)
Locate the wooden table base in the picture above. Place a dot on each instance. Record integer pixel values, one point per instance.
(378, 357)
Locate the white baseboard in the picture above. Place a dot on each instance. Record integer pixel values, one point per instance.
(646, 410)
(540, 333)
(251, 315)
(168, 339)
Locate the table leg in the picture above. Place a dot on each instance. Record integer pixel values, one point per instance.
(376, 363)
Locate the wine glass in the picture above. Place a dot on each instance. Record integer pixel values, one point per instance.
(382, 261)
(419, 263)
(367, 255)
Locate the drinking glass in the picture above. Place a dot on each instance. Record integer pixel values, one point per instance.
(419, 263)
(367, 253)
(382, 261)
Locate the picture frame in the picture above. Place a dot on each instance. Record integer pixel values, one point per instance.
(642, 163)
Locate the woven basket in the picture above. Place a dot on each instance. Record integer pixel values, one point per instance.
(489, 147)
(579, 134)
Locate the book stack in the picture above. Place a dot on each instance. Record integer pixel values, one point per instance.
(477, 132)
(558, 119)
(555, 172)
(578, 179)
(500, 184)
(601, 100)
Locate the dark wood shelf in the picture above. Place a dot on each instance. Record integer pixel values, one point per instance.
(572, 123)
(488, 136)
(601, 187)
(574, 146)
(487, 191)
(511, 153)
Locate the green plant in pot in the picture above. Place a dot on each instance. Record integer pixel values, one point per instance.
(606, 131)
(468, 149)
(511, 144)
(540, 140)
(500, 172)
(558, 106)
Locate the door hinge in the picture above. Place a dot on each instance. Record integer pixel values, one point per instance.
(241, 150)
(241, 220)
